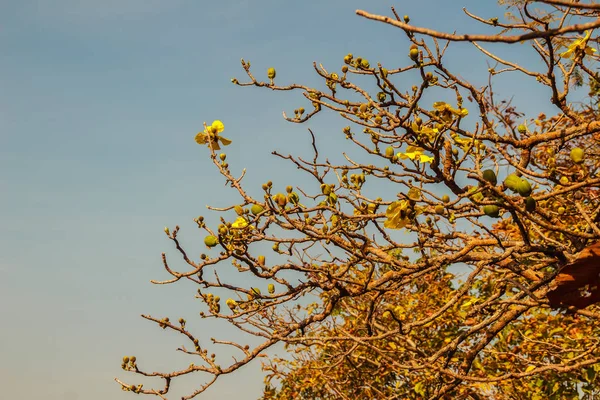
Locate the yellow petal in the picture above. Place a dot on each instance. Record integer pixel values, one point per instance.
(200, 138)
(440, 105)
(463, 112)
(218, 125)
(239, 223)
(425, 159)
(214, 144)
(566, 54)
(224, 141)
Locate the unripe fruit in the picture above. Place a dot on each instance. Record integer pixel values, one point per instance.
(530, 204)
(577, 155)
(490, 176)
(271, 288)
(389, 152)
(271, 73)
(414, 54)
(512, 181)
(491, 210)
(440, 209)
(524, 188)
(256, 209)
(211, 241)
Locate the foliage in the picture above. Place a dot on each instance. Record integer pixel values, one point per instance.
(442, 291)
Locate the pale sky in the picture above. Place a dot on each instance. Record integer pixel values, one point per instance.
(99, 104)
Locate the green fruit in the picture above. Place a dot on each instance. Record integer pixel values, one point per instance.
(440, 209)
(512, 181)
(490, 176)
(521, 129)
(271, 73)
(446, 198)
(577, 155)
(256, 209)
(414, 54)
(524, 188)
(271, 288)
(491, 211)
(211, 241)
(530, 204)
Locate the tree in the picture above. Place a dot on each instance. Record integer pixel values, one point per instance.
(490, 289)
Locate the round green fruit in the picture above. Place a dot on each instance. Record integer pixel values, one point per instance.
(530, 204)
(491, 211)
(211, 241)
(414, 54)
(256, 209)
(512, 181)
(524, 188)
(577, 155)
(490, 176)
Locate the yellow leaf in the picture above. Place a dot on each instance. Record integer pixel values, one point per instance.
(530, 368)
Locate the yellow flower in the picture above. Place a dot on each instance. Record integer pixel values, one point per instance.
(239, 223)
(431, 133)
(211, 135)
(414, 152)
(397, 215)
(580, 44)
(446, 108)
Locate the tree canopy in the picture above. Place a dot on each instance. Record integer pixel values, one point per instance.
(478, 279)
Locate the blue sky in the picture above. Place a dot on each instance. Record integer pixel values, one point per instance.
(99, 105)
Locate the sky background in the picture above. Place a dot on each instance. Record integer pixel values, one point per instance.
(99, 104)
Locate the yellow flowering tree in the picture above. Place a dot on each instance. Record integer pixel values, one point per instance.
(473, 275)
